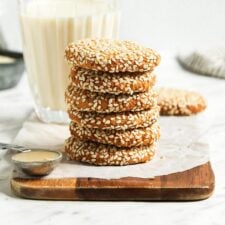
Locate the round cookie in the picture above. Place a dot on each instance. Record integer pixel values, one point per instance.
(180, 102)
(107, 155)
(98, 81)
(127, 138)
(84, 100)
(111, 55)
(116, 121)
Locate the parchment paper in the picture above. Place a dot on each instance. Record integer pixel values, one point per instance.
(183, 145)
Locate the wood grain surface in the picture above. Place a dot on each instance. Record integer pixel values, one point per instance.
(194, 184)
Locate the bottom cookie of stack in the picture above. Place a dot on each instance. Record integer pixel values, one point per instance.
(107, 155)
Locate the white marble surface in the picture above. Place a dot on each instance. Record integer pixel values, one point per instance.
(15, 106)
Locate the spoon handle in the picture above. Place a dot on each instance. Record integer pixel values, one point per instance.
(4, 146)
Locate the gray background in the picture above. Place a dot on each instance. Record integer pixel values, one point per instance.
(162, 24)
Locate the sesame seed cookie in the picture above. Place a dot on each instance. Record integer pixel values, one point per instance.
(107, 155)
(180, 102)
(115, 121)
(111, 55)
(84, 100)
(126, 138)
(98, 81)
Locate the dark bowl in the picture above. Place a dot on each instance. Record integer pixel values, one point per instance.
(10, 73)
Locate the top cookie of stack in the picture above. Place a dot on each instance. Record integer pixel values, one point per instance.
(111, 102)
(111, 56)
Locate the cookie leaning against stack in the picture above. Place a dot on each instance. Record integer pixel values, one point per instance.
(111, 102)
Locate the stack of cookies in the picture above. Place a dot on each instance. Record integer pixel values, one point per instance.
(111, 103)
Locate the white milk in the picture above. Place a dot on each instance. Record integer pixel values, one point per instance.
(47, 28)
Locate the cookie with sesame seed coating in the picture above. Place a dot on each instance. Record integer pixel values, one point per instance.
(126, 138)
(107, 155)
(84, 100)
(179, 102)
(111, 56)
(115, 121)
(115, 83)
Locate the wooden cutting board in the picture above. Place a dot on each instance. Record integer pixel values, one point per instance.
(193, 184)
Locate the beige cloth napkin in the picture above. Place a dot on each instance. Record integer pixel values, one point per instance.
(183, 145)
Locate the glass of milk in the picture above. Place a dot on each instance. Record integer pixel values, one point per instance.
(48, 26)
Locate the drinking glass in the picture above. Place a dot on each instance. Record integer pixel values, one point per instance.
(48, 26)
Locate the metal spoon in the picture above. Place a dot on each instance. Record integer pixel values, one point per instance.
(35, 167)
(17, 148)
